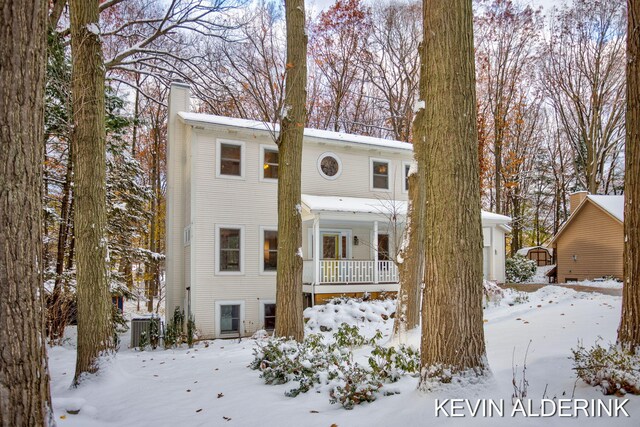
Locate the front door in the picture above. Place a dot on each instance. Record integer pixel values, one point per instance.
(333, 249)
(330, 246)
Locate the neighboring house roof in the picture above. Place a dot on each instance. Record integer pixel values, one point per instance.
(614, 205)
(525, 251)
(610, 205)
(196, 119)
(375, 206)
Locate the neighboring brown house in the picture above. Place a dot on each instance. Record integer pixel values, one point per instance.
(590, 244)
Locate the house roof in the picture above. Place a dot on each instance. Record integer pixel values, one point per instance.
(611, 205)
(196, 119)
(614, 205)
(384, 207)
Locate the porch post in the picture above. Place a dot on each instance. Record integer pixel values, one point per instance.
(316, 249)
(375, 251)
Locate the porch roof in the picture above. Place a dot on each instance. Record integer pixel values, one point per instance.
(318, 204)
(368, 208)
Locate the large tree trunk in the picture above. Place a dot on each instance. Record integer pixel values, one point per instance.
(411, 267)
(95, 326)
(289, 321)
(452, 327)
(25, 399)
(629, 332)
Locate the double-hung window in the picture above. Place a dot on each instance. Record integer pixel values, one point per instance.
(230, 249)
(269, 250)
(379, 174)
(230, 159)
(270, 161)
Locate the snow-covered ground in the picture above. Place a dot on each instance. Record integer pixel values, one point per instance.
(541, 278)
(603, 284)
(541, 275)
(211, 385)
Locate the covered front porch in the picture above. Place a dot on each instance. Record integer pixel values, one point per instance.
(349, 244)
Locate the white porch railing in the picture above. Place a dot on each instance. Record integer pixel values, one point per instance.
(351, 271)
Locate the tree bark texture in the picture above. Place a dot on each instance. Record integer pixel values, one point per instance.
(629, 332)
(411, 269)
(25, 398)
(452, 326)
(289, 322)
(95, 327)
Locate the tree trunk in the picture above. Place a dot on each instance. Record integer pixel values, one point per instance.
(95, 326)
(629, 332)
(56, 317)
(25, 398)
(411, 269)
(289, 321)
(452, 327)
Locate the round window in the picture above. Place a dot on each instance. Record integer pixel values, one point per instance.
(329, 166)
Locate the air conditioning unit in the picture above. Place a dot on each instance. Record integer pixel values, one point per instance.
(140, 325)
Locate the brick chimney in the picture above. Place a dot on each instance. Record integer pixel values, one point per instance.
(576, 198)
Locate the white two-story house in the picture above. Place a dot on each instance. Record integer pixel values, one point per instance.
(222, 226)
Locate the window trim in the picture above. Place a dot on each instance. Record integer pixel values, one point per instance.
(240, 144)
(262, 313)
(321, 157)
(264, 228)
(378, 160)
(217, 250)
(218, 319)
(263, 149)
(405, 188)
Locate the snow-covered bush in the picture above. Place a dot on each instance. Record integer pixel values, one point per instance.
(355, 385)
(390, 364)
(314, 363)
(309, 363)
(520, 269)
(491, 293)
(614, 369)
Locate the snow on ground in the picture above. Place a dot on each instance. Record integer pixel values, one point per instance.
(541, 275)
(603, 284)
(210, 385)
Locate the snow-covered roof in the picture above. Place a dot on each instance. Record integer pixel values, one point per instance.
(353, 204)
(614, 205)
(375, 206)
(525, 251)
(200, 119)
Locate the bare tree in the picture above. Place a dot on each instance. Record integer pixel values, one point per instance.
(629, 331)
(95, 328)
(289, 322)
(452, 328)
(25, 398)
(506, 35)
(395, 64)
(583, 66)
(339, 49)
